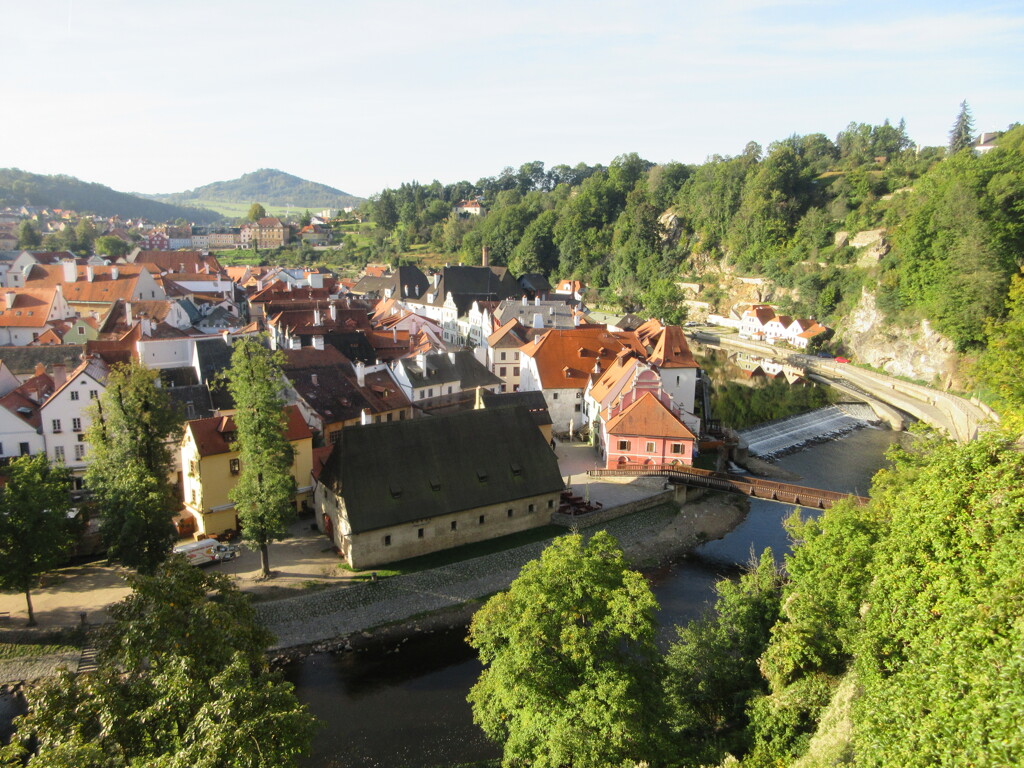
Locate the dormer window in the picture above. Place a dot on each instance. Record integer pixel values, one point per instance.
(396, 492)
(581, 351)
(481, 476)
(517, 470)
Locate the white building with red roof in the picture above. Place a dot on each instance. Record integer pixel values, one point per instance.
(64, 417)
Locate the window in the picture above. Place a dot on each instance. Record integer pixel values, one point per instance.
(481, 521)
(677, 447)
(455, 525)
(502, 355)
(74, 394)
(623, 445)
(192, 469)
(194, 497)
(79, 451)
(387, 540)
(93, 394)
(23, 449)
(58, 453)
(81, 330)
(650, 446)
(503, 371)
(76, 425)
(419, 533)
(579, 395)
(515, 370)
(551, 503)
(578, 407)
(449, 389)
(508, 512)
(554, 395)
(533, 508)
(235, 466)
(56, 425)
(335, 436)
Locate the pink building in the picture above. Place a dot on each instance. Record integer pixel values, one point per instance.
(643, 429)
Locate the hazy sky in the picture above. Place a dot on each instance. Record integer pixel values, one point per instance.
(154, 96)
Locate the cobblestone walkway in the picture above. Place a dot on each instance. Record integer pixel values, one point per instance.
(340, 611)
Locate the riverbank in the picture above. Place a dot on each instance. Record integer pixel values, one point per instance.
(393, 609)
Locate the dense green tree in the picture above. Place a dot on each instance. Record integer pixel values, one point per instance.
(664, 300)
(571, 669)
(256, 212)
(134, 428)
(28, 236)
(182, 681)
(384, 211)
(114, 247)
(85, 235)
(265, 490)
(712, 668)
(35, 534)
(961, 136)
(999, 366)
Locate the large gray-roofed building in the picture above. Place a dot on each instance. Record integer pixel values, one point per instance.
(397, 490)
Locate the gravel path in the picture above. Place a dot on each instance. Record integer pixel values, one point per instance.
(37, 667)
(338, 611)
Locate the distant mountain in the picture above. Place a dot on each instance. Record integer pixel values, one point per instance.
(22, 188)
(268, 187)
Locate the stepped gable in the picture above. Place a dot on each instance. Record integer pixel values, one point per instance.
(647, 416)
(672, 350)
(394, 473)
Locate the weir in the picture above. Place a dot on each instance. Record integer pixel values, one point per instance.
(769, 440)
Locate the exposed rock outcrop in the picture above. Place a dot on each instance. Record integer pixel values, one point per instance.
(917, 351)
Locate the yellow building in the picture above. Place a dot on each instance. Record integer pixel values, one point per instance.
(210, 469)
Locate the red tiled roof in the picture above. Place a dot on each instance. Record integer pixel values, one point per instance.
(672, 350)
(566, 358)
(212, 435)
(647, 416)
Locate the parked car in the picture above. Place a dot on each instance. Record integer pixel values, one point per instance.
(841, 360)
(207, 551)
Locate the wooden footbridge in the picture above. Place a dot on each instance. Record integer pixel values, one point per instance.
(754, 487)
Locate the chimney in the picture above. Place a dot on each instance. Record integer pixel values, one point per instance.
(9, 298)
(451, 357)
(524, 299)
(40, 369)
(536, 301)
(364, 417)
(318, 342)
(60, 374)
(360, 373)
(575, 320)
(316, 280)
(333, 310)
(227, 337)
(421, 361)
(316, 316)
(394, 335)
(128, 312)
(90, 272)
(115, 272)
(417, 290)
(538, 320)
(485, 256)
(315, 379)
(70, 270)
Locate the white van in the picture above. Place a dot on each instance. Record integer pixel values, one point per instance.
(207, 551)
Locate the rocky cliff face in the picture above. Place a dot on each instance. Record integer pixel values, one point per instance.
(916, 351)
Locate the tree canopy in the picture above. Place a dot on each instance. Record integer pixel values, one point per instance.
(134, 426)
(571, 668)
(265, 489)
(182, 681)
(35, 533)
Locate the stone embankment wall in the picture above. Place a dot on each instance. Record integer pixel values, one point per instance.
(610, 513)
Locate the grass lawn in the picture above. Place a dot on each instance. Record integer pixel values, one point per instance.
(30, 650)
(241, 210)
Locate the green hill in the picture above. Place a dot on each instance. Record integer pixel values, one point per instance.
(22, 188)
(268, 187)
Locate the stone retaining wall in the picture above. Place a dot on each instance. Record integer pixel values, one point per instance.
(610, 513)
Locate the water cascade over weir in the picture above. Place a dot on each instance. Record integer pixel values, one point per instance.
(779, 437)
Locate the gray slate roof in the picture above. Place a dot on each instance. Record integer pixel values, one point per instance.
(22, 360)
(443, 368)
(399, 472)
(533, 401)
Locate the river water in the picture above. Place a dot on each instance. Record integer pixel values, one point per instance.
(407, 706)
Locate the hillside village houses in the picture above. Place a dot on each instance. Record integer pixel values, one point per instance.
(761, 323)
(390, 361)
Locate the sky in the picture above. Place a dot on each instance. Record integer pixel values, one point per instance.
(157, 97)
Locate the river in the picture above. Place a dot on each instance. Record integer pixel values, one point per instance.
(407, 706)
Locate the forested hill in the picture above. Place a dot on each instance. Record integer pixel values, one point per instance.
(21, 188)
(269, 187)
(633, 229)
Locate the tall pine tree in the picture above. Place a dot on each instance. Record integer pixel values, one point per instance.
(962, 135)
(265, 489)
